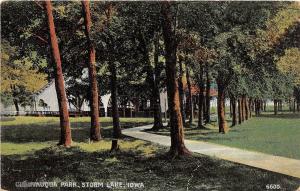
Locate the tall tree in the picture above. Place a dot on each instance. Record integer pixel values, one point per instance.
(95, 134)
(223, 128)
(189, 98)
(177, 134)
(115, 109)
(65, 137)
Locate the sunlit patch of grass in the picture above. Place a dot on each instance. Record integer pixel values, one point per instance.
(143, 147)
(25, 120)
(125, 145)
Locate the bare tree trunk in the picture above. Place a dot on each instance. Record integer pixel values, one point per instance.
(221, 109)
(65, 137)
(95, 134)
(177, 133)
(115, 109)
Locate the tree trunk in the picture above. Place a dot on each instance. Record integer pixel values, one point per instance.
(155, 89)
(200, 109)
(201, 99)
(65, 138)
(243, 108)
(153, 80)
(115, 109)
(275, 107)
(204, 105)
(240, 110)
(181, 91)
(250, 107)
(230, 108)
(177, 134)
(246, 108)
(207, 97)
(16, 106)
(124, 109)
(189, 98)
(234, 117)
(221, 109)
(95, 134)
(260, 108)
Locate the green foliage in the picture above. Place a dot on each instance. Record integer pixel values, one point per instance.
(243, 44)
(277, 26)
(290, 64)
(19, 77)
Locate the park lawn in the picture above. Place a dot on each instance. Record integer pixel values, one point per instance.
(276, 135)
(25, 134)
(29, 153)
(26, 120)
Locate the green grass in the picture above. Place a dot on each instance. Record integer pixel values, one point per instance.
(21, 120)
(28, 134)
(277, 135)
(29, 154)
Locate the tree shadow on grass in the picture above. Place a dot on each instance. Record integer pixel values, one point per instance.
(156, 172)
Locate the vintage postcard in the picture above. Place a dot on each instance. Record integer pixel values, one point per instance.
(150, 95)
